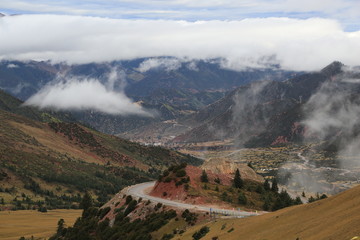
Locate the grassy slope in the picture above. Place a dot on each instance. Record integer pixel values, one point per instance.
(334, 218)
(14, 225)
(73, 158)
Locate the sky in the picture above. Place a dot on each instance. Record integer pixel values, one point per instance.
(297, 35)
(347, 12)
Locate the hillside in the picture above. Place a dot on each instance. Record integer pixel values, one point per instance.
(336, 217)
(193, 185)
(59, 161)
(260, 113)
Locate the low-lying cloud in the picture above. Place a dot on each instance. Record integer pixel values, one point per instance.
(296, 44)
(168, 64)
(81, 93)
(333, 113)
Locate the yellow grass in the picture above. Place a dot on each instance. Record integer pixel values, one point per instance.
(52, 141)
(168, 228)
(27, 223)
(335, 218)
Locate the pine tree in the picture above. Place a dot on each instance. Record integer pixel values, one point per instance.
(86, 202)
(60, 229)
(238, 182)
(204, 178)
(311, 199)
(266, 185)
(297, 201)
(274, 186)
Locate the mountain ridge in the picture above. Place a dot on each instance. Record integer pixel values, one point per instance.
(249, 110)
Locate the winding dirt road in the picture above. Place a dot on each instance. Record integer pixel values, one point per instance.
(141, 191)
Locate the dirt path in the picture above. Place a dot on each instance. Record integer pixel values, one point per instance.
(141, 191)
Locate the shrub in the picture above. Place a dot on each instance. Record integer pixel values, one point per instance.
(181, 173)
(168, 179)
(242, 198)
(131, 207)
(128, 199)
(201, 233)
(42, 209)
(103, 212)
(167, 236)
(189, 217)
(157, 206)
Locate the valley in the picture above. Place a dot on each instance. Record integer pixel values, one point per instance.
(242, 151)
(179, 120)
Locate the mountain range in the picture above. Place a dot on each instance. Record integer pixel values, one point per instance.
(168, 86)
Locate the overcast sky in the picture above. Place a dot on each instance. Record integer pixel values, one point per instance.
(347, 12)
(298, 35)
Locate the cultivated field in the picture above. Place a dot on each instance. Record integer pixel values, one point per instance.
(27, 223)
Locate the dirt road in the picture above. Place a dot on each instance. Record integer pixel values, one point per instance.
(141, 190)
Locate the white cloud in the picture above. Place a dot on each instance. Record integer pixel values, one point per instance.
(294, 43)
(11, 65)
(75, 93)
(333, 112)
(168, 64)
(192, 66)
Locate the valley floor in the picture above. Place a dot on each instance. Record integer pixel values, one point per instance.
(27, 223)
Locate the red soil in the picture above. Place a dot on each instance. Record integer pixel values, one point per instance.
(173, 192)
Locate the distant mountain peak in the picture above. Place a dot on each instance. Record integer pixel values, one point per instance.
(333, 68)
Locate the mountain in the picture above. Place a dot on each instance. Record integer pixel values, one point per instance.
(51, 164)
(171, 90)
(23, 79)
(202, 76)
(258, 113)
(332, 218)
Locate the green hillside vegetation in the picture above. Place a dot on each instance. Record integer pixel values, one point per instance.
(251, 196)
(92, 225)
(176, 173)
(50, 165)
(244, 193)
